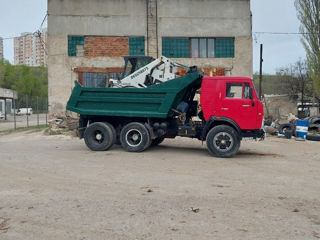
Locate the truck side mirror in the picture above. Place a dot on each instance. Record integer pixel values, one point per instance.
(251, 93)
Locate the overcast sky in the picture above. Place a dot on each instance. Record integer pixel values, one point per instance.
(17, 16)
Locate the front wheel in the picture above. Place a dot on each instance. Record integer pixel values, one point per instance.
(223, 141)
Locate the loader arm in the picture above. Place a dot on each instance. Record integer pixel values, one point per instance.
(158, 71)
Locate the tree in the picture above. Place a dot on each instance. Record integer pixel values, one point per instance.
(308, 12)
(31, 81)
(295, 81)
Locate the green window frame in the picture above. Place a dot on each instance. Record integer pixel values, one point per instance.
(136, 46)
(73, 41)
(176, 47)
(198, 47)
(224, 48)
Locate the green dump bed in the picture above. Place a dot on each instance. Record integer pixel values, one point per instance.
(155, 101)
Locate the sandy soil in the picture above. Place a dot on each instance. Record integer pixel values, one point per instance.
(53, 187)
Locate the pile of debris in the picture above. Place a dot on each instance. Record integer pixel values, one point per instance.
(63, 124)
(291, 129)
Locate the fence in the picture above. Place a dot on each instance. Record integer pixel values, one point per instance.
(26, 111)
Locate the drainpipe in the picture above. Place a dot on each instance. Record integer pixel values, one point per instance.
(147, 15)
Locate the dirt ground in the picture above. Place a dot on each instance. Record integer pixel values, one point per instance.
(53, 187)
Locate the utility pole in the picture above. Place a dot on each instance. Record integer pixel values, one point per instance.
(260, 75)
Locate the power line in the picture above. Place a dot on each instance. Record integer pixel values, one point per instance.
(8, 38)
(38, 34)
(285, 33)
(45, 17)
(33, 33)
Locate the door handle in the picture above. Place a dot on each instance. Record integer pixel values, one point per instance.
(245, 105)
(224, 109)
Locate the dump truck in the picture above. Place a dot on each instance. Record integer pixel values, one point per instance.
(139, 118)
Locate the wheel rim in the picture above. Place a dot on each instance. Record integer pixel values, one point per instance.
(98, 136)
(134, 137)
(223, 141)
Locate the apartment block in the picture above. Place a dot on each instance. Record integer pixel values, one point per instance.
(29, 49)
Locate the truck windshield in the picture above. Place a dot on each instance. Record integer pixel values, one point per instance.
(128, 69)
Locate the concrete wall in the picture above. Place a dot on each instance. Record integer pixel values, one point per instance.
(279, 107)
(209, 18)
(152, 19)
(97, 17)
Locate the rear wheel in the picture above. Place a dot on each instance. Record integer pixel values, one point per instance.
(135, 137)
(114, 132)
(99, 136)
(223, 141)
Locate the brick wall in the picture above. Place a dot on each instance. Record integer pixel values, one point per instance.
(106, 46)
(211, 72)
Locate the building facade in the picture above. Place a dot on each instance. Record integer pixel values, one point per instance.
(87, 39)
(1, 48)
(29, 49)
(6, 100)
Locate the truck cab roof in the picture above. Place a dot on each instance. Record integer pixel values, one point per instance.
(224, 78)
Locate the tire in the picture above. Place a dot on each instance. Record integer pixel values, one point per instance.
(313, 137)
(286, 127)
(135, 137)
(114, 132)
(267, 123)
(316, 120)
(223, 133)
(288, 134)
(157, 141)
(99, 136)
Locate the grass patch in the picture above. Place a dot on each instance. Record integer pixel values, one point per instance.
(30, 129)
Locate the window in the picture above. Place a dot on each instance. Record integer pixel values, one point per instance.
(246, 91)
(175, 47)
(202, 47)
(224, 48)
(94, 80)
(198, 47)
(136, 46)
(195, 47)
(73, 42)
(234, 90)
(114, 75)
(128, 70)
(211, 48)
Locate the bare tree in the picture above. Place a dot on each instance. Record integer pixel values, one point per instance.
(295, 81)
(308, 12)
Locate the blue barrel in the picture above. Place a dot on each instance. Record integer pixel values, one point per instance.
(302, 128)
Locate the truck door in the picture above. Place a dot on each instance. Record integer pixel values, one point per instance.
(237, 105)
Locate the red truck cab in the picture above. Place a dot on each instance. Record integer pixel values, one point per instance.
(233, 98)
(231, 111)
